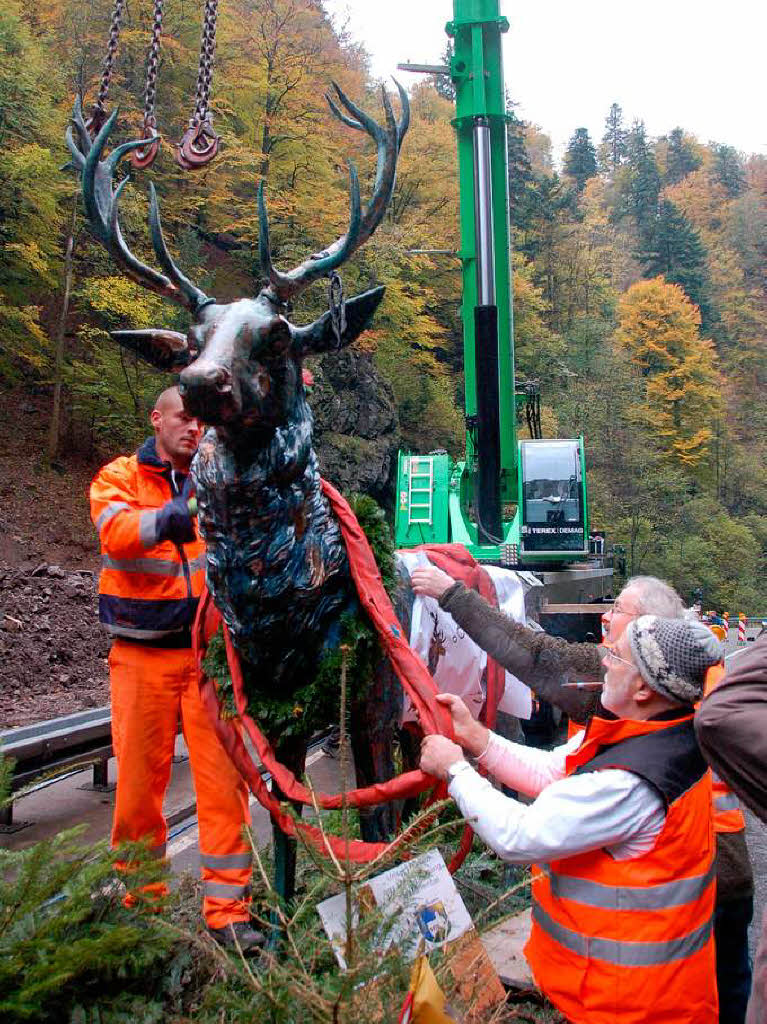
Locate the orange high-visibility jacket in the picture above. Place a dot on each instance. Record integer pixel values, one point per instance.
(631, 941)
(728, 816)
(148, 591)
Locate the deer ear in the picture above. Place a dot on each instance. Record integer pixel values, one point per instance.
(320, 336)
(165, 350)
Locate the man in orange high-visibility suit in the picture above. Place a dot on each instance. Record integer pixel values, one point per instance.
(153, 570)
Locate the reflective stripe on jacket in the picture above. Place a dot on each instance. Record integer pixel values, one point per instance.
(148, 591)
(728, 816)
(631, 941)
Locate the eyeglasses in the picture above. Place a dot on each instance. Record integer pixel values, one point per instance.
(614, 657)
(620, 611)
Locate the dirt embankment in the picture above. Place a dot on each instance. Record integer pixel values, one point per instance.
(52, 651)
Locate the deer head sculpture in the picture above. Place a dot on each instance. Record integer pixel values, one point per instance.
(240, 362)
(276, 564)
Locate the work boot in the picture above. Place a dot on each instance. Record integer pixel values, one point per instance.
(239, 933)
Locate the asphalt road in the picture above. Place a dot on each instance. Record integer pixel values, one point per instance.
(756, 836)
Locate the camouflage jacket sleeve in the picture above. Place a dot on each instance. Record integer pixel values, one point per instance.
(541, 661)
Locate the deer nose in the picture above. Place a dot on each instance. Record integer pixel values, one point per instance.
(223, 380)
(217, 377)
(210, 392)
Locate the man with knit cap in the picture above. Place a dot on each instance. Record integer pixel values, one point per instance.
(621, 828)
(547, 664)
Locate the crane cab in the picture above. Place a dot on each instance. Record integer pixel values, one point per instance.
(553, 508)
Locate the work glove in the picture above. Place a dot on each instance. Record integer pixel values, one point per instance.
(174, 520)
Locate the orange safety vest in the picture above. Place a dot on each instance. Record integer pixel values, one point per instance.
(148, 591)
(631, 941)
(728, 816)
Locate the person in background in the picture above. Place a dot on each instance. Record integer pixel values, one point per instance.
(623, 907)
(731, 726)
(153, 571)
(545, 663)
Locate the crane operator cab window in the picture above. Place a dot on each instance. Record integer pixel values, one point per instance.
(553, 497)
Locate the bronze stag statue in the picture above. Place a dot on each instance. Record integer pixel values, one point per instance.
(277, 568)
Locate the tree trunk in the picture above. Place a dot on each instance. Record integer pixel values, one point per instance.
(58, 368)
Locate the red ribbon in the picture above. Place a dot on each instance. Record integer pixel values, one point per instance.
(410, 669)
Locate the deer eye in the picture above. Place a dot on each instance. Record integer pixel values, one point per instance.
(194, 342)
(279, 336)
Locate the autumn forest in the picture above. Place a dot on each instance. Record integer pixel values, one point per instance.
(640, 297)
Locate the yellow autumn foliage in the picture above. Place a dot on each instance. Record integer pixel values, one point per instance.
(659, 328)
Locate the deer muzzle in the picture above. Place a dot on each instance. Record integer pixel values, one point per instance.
(210, 393)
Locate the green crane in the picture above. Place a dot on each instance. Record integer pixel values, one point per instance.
(509, 501)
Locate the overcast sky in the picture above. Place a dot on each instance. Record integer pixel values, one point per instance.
(694, 63)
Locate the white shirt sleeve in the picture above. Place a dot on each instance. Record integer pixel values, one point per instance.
(612, 809)
(527, 769)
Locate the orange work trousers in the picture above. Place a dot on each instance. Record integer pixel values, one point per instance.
(150, 688)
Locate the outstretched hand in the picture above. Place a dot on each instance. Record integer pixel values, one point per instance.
(471, 734)
(429, 581)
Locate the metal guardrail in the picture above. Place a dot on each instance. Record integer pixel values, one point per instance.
(752, 621)
(55, 746)
(74, 743)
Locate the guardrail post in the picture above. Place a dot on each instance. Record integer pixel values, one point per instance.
(100, 783)
(7, 824)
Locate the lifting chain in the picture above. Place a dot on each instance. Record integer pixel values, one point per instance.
(145, 155)
(337, 307)
(200, 143)
(98, 116)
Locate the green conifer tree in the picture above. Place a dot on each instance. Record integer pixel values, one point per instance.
(520, 169)
(642, 187)
(728, 169)
(675, 251)
(580, 158)
(681, 159)
(613, 148)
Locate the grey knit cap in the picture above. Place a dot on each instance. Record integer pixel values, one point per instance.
(673, 655)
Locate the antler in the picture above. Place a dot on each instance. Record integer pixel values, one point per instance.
(102, 210)
(361, 227)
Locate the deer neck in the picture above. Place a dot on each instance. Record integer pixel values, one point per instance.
(260, 465)
(277, 565)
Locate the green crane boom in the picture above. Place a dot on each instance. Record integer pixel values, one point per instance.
(508, 501)
(477, 71)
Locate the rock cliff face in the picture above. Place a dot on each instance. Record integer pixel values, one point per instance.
(356, 430)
